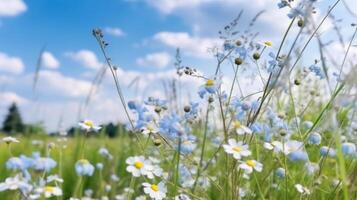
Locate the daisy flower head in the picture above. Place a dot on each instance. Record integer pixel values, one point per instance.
(84, 168)
(138, 165)
(209, 87)
(268, 43)
(156, 192)
(88, 125)
(149, 129)
(10, 139)
(51, 191)
(182, 197)
(16, 183)
(241, 129)
(153, 170)
(301, 189)
(54, 178)
(251, 165)
(237, 149)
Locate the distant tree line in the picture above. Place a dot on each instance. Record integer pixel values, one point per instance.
(110, 129)
(13, 124)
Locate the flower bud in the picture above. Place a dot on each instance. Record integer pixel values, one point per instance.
(157, 142)
(256, 56)
(238, 61)
(238, 42)
(187, 109)
(301, 23)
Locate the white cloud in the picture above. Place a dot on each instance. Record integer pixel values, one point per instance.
(86, 58)
(10, 97)
(168, 6)
(159, 60)
(10, 64)
(54, 83)
(194, 46)
(49, 60)
(206, 17)
(10, 8)
(117, 32)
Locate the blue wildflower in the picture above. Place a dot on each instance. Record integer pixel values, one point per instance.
(44, 164)
(348, 149)
(191, 112)
(84, 168)
(171, 127)
(317, 71)
(280, 172)
(311, 168)
(298, 155)
(209, 87)
(314, 138)
(15, 163)
(188, 145)
(326, 151)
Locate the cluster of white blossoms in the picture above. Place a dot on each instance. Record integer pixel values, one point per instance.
(88, 125)
(140, 166)
(239, 150)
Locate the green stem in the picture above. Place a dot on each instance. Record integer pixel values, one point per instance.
(202, 150)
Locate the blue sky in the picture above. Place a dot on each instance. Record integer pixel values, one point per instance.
(143, 36)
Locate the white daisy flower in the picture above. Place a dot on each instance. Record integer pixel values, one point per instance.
(241, 129)
(288, 147)
(10, 139)
(88, 125)
(182, 197)
(54, 178)
(268, 146)
(250, 165)
(238, 149)
(15, 183)
(156, 192)
(149, 129)
(301, 189)
(141, 197)
(138, 166)
(153, 170)
(50, 191)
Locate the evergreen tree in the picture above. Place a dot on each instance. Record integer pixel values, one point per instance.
(13, 122)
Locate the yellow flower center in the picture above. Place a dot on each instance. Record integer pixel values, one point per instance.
(154, 187)
(237, 149)
(138, 164)
(83, 161)
(251, 163)
(89, 124)
(268, 43)
(210, 82)
(150, 128)
(49, 189)
(186, 142)
(237, 124)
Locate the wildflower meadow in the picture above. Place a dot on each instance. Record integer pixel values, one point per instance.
(266, 118)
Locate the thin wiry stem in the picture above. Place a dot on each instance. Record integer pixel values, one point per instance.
(312, 35)
(98, 35)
